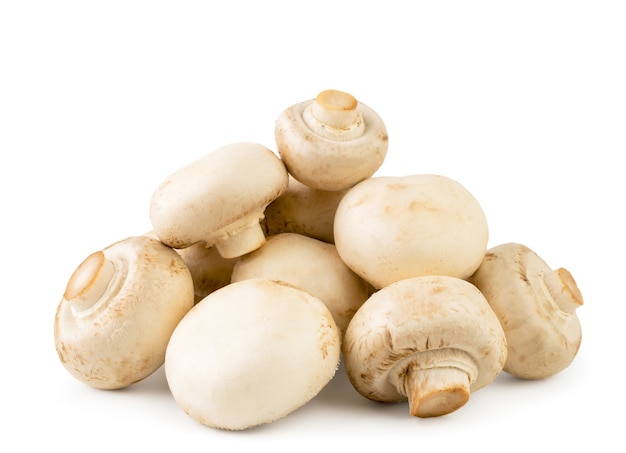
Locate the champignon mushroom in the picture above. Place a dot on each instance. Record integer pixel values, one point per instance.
(209, 270)
(332, 142)
(120, 307)
(311, 265)
(250, 353)
(432, 340)
(303, 210)
(389, 228)
(536, 307)
(219, 199)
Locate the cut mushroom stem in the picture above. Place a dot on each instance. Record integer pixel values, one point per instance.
(436, 391)
(89, 281)
(246, 235)
(562, 287)
(335, 109)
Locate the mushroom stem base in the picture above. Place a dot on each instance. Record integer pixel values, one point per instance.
(241, 242)
(433, 392)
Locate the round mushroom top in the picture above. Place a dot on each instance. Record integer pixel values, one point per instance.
(251, 353)
(536, 307)
(218, 195)
(118, 312)
(390, 228)
(311, 265)
(422, 323)
(331, 142)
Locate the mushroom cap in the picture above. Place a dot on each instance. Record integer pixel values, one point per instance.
(209, 270)
(536, 307)
(250, 353)
(311, 265)
(423, 324)
(392, 228)
(219, 199)
(119, 309)
(332, 156)
(303, 210)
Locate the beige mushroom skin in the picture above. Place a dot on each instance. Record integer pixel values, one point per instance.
(303, 210)
(120, 307)
(431, 340)
(390, 228)
(209, 270)
(311, 265)
(251, 353)
(219, 199)
(536, 307)
(331, 142)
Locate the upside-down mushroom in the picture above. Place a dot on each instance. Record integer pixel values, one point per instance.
(331, 142)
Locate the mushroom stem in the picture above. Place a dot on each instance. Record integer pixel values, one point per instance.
(335, 109)
(433, 392)
(243, 240)
(334, 116)
(89, 281)
(563, 289)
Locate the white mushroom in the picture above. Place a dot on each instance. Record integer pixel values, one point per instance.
(250, 353)
(209, 270)
(219, 199)
(332, 142)
(391, 228)
(536, 307)
(303, 210)
(119, 309)
(311, 265)
(432, 340)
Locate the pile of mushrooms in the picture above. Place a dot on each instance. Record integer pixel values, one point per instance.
(250, 293)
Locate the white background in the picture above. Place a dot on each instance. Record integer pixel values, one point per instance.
(524, 103)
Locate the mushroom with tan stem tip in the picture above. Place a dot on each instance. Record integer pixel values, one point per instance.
(251, 353)
(331, 142)
(311, 265)
(390, 228)
(219, 199)
(119, 310)
(432, 340)
(536, 306)
(303, 210)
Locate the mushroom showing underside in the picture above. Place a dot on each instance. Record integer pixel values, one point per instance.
(390, 228)
(311, 265)
(219, 199)
(119, 309)
(431, 340)
(536, 306)
(250, 353)
(331, 142)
